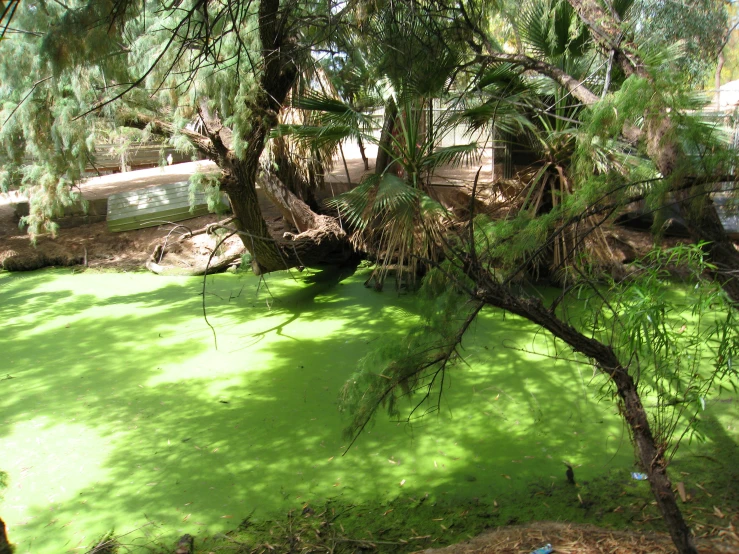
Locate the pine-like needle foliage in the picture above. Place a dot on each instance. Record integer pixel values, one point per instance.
(412, 366)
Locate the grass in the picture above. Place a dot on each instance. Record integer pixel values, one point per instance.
(118, 412)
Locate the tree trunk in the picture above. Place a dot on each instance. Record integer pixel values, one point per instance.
(329, 240)
(650, 454)
(319, 237)
(385, 146)
(717, 77)
(5, 547)
(705, 225)
(242, 192)
(360, 143)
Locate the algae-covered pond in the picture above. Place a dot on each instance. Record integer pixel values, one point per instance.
(117, 411)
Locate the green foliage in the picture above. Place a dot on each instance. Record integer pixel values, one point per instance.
(551, 29)
(210, 185)
(401, 367)
(417, 53)
(317, 136)
(608, 116)
(698, 27)
(108, 543)
(703, 142)
(69, 59)
(680, 348)
(413, 59)
(399, 222)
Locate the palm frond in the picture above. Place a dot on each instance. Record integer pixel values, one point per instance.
(550, 28)
(502, 76)
(499, 112)
(334, 112)
(449, 155)
(392, 193)
(315, 136)
(378, 196)
(533, 26)
(321, 103)
(353, 204)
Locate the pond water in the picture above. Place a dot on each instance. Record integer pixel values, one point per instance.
(120, 409)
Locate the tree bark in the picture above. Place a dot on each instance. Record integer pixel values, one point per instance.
(650, 454)
(385, 146)
(5, 547)
(320, 239)
(292, 208)
(360, 143)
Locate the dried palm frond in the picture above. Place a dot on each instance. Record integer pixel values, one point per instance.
(399, 225)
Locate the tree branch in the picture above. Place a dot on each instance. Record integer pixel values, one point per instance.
(573, 86)
(159, 127)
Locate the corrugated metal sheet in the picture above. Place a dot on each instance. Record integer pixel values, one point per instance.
(153, 206)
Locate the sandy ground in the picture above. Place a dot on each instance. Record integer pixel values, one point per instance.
(567, 538)
(94, 246)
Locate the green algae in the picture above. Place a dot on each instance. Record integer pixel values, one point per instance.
(120, 412)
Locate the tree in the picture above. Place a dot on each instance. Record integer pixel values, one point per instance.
(395, 213)
(5, 547)
(656, 120)
(632, 338)
(680, 149)
(229, 65)
(688, 175)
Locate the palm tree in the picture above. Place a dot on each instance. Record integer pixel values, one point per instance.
(395, 214)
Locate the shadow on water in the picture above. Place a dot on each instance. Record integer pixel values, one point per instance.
(120, 413)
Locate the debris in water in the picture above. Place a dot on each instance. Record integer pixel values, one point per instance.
(681, 491)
